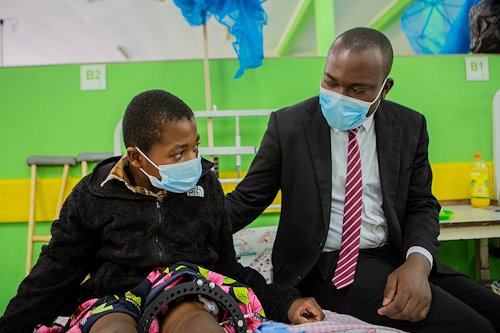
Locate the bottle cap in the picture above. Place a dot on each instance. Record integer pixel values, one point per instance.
(477, 155)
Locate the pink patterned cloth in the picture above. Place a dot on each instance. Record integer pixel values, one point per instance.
(336, 322)
(140, 297)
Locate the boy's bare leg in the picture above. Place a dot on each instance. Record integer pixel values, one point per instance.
(115, 323)
(190, 316)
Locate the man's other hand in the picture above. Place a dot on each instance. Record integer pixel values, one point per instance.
(407, 294)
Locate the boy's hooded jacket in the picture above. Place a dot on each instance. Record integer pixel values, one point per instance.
(119, 236)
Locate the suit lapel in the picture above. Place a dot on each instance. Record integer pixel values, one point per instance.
(389, 154)
(318, 138)
(389, 143)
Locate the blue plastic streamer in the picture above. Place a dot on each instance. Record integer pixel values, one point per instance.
(244, 19)
(438, 26)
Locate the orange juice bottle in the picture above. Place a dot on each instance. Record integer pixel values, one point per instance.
(480, 192)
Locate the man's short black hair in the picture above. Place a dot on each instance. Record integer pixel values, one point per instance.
(146, 114)
(362, 39)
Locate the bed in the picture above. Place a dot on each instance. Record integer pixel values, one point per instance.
(253, 248)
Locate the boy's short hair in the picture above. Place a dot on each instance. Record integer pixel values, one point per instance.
(146, 114)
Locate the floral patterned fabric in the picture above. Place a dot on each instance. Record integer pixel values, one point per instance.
(135, 301)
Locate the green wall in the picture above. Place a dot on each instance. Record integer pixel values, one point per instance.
(43, 111)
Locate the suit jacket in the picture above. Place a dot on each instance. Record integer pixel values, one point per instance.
(295, 157)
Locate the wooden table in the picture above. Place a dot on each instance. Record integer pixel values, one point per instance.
(479, 224)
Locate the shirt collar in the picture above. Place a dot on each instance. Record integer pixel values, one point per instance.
(118, 173)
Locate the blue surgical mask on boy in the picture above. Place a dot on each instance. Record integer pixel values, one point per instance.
(177, 177)
(344, 112)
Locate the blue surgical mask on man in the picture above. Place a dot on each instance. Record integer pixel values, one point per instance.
(177, 177)
(343, 112)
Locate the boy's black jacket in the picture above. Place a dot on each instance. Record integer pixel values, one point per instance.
(119, 236)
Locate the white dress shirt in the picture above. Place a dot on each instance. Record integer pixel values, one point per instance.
(374, 229)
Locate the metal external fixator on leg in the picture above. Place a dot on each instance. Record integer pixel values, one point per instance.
(195, 287)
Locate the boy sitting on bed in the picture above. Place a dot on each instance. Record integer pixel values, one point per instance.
(141, 224)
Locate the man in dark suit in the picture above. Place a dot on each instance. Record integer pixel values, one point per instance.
(359, 224)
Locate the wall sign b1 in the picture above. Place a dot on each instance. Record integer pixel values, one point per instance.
(476, 69)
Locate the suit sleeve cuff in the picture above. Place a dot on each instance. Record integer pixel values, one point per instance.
(422, 251)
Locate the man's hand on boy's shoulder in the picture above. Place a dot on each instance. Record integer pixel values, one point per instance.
(305, 310)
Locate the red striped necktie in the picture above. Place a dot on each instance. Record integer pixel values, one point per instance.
(351, 228)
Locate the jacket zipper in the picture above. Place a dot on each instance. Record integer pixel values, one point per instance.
(160, 252)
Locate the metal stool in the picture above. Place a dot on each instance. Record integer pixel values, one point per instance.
(85, 158)
(34, 161)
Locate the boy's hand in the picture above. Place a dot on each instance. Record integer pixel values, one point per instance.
(305, 310)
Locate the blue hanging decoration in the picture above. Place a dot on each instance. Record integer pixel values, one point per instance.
(438, 26)
(244, 19)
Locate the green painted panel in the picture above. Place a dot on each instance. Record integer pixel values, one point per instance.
(298, 22)
(458, 112)
(390, 14)
(13, 257)
(279, 83)
(459, 255)
(43, 110)
(495, 268)
(325, 26)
